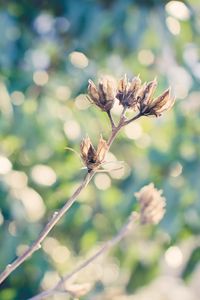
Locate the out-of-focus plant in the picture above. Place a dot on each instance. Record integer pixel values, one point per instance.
(131, 95)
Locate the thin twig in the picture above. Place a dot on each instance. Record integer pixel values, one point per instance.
(111, 119)
(59, 287)
(59, 214)
(53, 221)
(132, 119)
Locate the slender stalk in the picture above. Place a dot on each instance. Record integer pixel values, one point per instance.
(59, 287)
(59, 214)
(53, 221)
(132, 119)
(111, 119)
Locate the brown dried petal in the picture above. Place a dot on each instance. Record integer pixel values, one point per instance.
(111, 91)
(122, 86)
(101, 149)
(92, 91)
(135, 84)
(148, 92)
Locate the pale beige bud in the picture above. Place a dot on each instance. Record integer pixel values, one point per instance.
(162, 103)
(102, 149)
(92, 91)
(127, 91)
(92, 158)
(152, 204)
(104, 95)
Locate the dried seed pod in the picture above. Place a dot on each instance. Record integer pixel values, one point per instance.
(104, 95)
(152, 204)
(162, 103)
(128, 91)
(93, 158)
(153, 107)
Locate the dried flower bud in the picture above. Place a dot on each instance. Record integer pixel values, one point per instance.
(162, 103)
(152, 204)
(149, 106)
(93, 158)
(104, 95)
(128, 91)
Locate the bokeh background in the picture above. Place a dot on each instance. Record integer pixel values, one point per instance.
(48, 51)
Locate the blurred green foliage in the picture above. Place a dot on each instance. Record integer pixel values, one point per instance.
(49, 50)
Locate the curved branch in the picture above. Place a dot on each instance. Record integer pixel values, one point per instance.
(53, 221)
(105, 248)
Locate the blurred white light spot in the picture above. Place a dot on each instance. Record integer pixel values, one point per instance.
(196, 70)
(5, 101)
(1, 218)
(115, 168)
(78, 59)
(72, 130)
(17, 179)
(82, 102)
(190, 55)
(43, 23)
(181, 81)
(5, 165)
(63, 92)
(43, 175)
(33, 204)
(12, 228)
(102, 181)
(146, 57)
(110, 157)
(173, 25)
(174, 257)
(187, 151)
(60, 254)
(21, 249)
(40, 59)
(49, 244)
(144, 141)
(17, 97)
(62, 24)
(110, 273)
(40, 77)
(118, 172)
(176, 170)
(117, 108)
(49, 280)
(133, 131)
(178, 10)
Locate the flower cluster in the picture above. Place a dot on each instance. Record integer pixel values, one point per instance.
(130, 94)
(93, 158)
(152, 204)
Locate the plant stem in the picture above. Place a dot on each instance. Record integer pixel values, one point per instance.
(111, 119)
(59, 214)
(132, 119)
(53, 221)
(105, 248)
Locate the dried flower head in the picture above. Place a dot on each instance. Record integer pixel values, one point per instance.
(93, 158)
(127, 92)
(152, 204)
(148, 106)
(104, 95)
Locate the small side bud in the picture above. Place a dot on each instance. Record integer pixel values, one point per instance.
(152, 204)
(91, 157)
